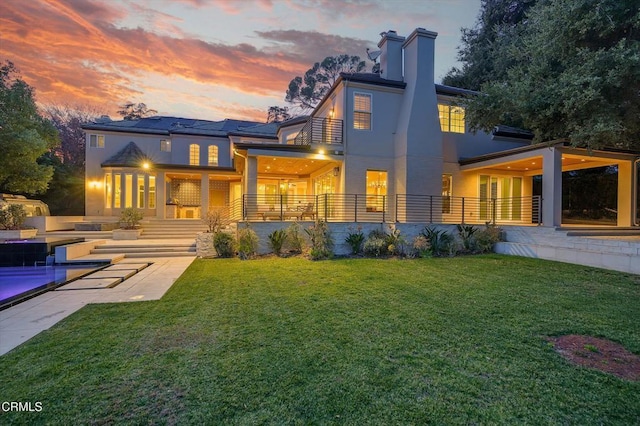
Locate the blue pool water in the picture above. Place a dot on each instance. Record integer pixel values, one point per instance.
(18, 283)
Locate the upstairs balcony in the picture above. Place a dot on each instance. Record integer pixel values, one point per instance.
(326, 131)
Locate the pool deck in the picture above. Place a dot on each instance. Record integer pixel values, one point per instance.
(22, 322)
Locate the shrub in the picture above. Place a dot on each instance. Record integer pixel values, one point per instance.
(247, 243)
(421, 247)
(294, 241)
(321, 240)
(12, 217)
(375, 246)
(441, 242)
(224, 244)
(395, 243)
(130, 218)
(277, 240)
(355, 240)
(217, 219)
(465, 232)
(487, 238)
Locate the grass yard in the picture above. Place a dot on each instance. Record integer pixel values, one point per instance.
(350, 341)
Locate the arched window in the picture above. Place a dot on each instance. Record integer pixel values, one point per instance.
(194, 154)
(213, 155)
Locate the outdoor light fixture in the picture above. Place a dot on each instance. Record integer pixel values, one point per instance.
(146, 165)
(95, 184)
(336, 171)
(331, 113)
(321, 151)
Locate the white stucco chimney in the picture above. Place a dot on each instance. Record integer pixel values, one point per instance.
(391, 56)
(418, 138)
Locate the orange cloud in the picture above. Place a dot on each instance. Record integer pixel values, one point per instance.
(74, 52)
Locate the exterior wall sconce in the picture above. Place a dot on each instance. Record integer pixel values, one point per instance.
(95, 184)
(146, 165)
(336, 171)
(332, 113)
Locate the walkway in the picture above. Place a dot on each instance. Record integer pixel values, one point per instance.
(21, 322)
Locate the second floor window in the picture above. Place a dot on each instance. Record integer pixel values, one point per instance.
(451, 118)
(213, 155)
(362, 111)
(165, 145)
(194, 155)
(96, 141)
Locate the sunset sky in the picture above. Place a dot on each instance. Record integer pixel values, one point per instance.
(207, 59)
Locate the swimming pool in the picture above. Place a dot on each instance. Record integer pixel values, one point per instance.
(18, 283)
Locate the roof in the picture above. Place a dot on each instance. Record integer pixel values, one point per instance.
(129, 156)
(268, 130)
(441, 89)
(512, 132)
(164, 125)
(371, 78)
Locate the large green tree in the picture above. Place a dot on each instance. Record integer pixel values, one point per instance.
(481, 47)
(305, 92)
(573, 73)
(24, 136)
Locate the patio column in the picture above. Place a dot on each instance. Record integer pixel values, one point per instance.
(161, 196)
(250, 188)
(625, 193)
(204, 195)
(552, 187)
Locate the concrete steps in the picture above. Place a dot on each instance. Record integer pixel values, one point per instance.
(146, 250)
(601, 251)
(171, 228)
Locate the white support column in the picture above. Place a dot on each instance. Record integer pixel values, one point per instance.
(161, 198)
(625, 193)
(552, 187)
(204, 195)
(250, 188)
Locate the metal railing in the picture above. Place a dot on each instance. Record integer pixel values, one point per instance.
(320, 130)
(401, 208)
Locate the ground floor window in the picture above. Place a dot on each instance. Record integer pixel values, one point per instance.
(141, 188)
(128, 190)
(152, 192)
(117, 191)
(107, 190)
(500, 197)
(376, 190)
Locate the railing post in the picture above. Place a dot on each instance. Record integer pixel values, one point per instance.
(355, 209)
(493, 210)
(326, 206)
(539, 209)
(243, 208)
(384, 208)
(396, 212)
(462, 210)
(430, 208)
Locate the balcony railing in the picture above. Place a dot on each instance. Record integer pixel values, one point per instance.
(320, 130)
(400, 208)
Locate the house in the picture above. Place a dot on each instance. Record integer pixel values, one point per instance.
(383, 147)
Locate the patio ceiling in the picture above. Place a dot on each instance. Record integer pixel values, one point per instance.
(531, 163)
(291, 165)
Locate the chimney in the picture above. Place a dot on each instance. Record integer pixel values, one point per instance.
(419, 54)
(391, 56)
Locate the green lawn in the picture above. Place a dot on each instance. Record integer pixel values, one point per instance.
(350, 341)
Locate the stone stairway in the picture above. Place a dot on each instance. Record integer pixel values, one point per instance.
(171, 228)
(601, 248)
(147, 249)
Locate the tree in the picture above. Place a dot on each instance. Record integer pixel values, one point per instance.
(133, 111)
(65, 195)
(481, 49)
(305, 92)
(24, 136)
(276, 114)
(574, 75)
